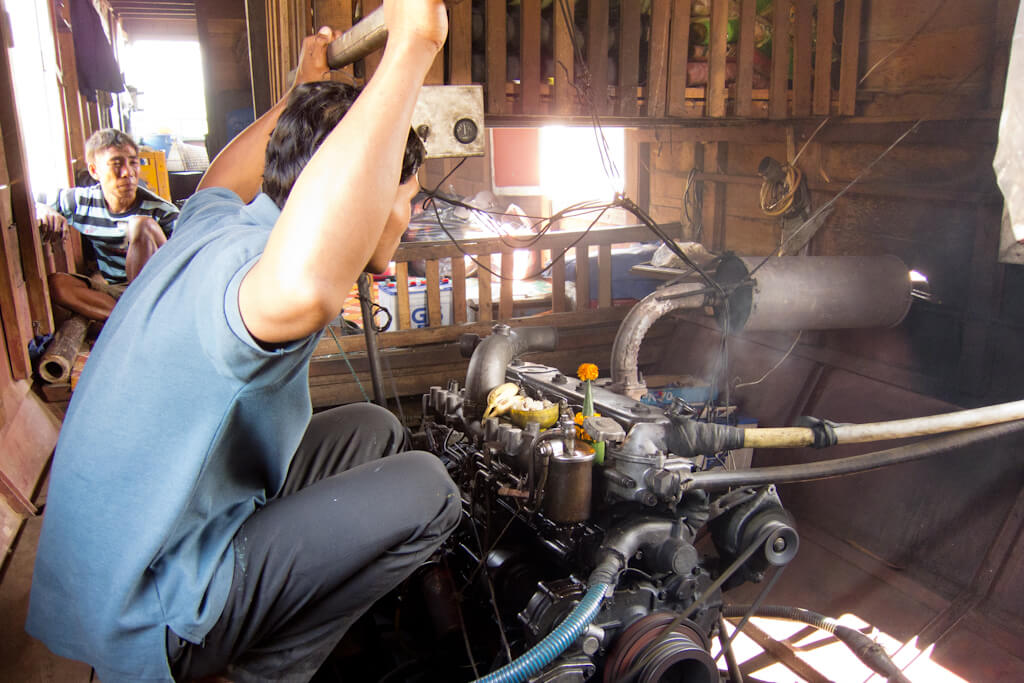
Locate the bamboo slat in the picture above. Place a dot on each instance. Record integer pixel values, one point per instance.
(823, 58)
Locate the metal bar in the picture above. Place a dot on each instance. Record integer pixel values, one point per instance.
(372, 353)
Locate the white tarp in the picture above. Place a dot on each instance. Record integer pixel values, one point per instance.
(1009, 160)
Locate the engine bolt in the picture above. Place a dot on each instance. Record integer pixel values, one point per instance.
(779, 544)
(590, 645)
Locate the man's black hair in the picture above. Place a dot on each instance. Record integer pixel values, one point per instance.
(312, 112)
(107, 138)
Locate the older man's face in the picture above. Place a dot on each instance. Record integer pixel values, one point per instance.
(117, 170)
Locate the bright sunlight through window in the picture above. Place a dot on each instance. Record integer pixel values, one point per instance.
(169, 77)
(573, 168)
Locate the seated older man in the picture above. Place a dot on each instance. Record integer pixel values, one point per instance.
(124, 223)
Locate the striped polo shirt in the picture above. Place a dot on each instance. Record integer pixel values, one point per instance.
(86, 211)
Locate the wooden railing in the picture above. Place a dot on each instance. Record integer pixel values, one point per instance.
(560, 311)
(729, 70)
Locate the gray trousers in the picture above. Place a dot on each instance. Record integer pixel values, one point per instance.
(355, 517)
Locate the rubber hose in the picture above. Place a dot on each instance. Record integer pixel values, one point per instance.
(554, 643)
(867, 651)
(720, 480)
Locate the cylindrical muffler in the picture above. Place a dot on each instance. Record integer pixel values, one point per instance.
(568, 489)
(814, 292)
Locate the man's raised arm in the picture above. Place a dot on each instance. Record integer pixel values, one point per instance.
(337, 210)
(239, 166)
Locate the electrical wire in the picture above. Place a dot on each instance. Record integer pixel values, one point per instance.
(777, 197)
(349, 364)
(774, 367)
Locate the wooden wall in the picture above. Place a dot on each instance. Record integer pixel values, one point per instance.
(952, 524)
(224, 41)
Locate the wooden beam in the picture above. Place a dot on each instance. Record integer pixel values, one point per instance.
(259, 65)
(507, 275)
(582, 277)
(458, 290)
(604, 276)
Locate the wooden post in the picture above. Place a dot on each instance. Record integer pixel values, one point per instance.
(715, 100)
(629, 57)
(565, 62)
(259, 65)
(745, 59)
(433, 293)
(529, 57)
(582, 277)
(404, 321)
(604, 276)
(558, 304)
(458, 290)
(778, 90)
(496, 55)
(823, 58)
(802, 58)
(597, 52)
(849, 60)
(657, 58)
(483, 293)
(460, 43)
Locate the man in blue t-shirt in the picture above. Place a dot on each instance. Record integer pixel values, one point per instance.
(199, 521)
(125, 224)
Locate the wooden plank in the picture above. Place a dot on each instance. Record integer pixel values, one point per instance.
(629, 57)
(716, 60)
(460, 43)
(529, 57)
(582, 278)
(597, 53)
(778, 90)
(496, 55)
(558, 304)
(483, 295)
(849, 58)
(823, 58)
(404, 321)
(802, 58)
(433, 293)
(657, 62)
(450, 333)
(505, 300)
(338, 15)
(259, 65)
(604, 276)
(415, 251)
(745, 59)
(458, 290)
(23, 205)
(565, 61)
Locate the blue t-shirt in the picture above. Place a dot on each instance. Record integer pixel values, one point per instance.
(181, 426)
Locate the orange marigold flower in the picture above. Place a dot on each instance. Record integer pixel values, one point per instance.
(587, 371)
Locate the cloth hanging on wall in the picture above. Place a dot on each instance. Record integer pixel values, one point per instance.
(97, 67)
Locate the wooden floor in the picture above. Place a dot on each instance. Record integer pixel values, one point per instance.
(827, 576)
